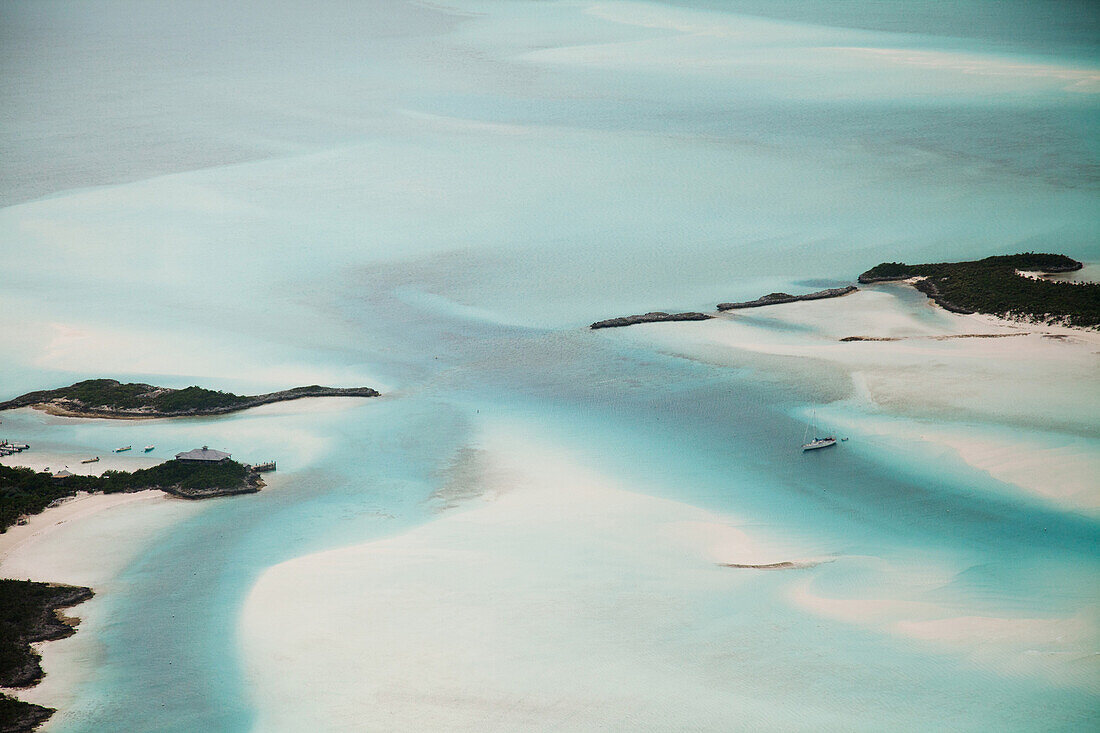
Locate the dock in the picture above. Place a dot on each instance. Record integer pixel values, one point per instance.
(262, 467)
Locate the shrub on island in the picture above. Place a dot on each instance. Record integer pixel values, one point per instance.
(993, 286)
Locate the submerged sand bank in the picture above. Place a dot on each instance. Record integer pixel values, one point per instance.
(555, 600)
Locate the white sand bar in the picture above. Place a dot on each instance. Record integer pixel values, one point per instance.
(558, 602)
(926, 376)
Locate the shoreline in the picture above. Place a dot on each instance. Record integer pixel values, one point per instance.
(52, 408)
(61, 406)
(998, 286)
(38, 527)
(86, 540)
(966, 383)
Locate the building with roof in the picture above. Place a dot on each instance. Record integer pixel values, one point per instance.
(63, 473)
(203, 455)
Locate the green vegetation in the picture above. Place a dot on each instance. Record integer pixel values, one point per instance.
(110, 398)
(25, 492)
(182, 475)
(28, 614)
(194, 398)
(17, 716)
(992, 286)
(111, 395)
(27, 610)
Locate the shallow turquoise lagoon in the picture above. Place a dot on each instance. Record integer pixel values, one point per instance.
(436, 201)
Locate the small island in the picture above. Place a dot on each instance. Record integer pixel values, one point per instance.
(29, 610)
(109, 398)
(993, 286)
(780, 298)
(28, 614)
(25, 492)
(654, 317)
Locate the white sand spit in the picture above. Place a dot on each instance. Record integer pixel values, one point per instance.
(547, 606)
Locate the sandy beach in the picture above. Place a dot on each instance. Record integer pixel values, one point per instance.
(86, 540)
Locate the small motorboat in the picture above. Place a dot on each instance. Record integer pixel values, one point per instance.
(91, 460)
(124, 449)
(149, 448)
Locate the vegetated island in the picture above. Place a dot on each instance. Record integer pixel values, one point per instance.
(779, 298)
(24, 492)
(654, 317)
(111, 399)
(29, 613)
(993, 286)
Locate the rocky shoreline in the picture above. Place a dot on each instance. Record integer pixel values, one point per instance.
(654, 317)
(769, 299)
(47, 626)
(251, 485)
(57, 403)
(994, 286)
(780, 298)
(31, 615)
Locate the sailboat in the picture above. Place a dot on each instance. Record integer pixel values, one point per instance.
(817, 442)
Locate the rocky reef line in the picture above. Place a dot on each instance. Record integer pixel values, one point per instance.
(780, 298)
(654, 317)
(769, 299)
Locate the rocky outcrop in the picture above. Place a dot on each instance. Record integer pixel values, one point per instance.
(251, 485)
(654, 317)
(866, 279)
(780, 298)
(43, 624)
(17, 716)
(928, 287)
(870, 338)
(30, 613)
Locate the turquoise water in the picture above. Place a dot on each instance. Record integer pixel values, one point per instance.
(436, 201)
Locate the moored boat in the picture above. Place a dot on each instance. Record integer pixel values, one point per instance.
(123, 449)
(149, 448)
(817, 442)
(91, 460)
